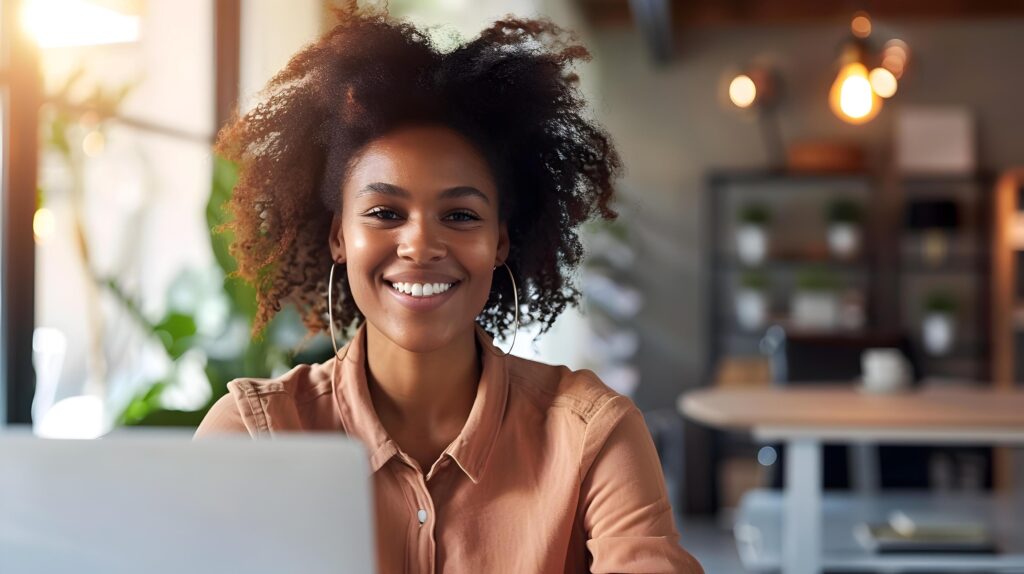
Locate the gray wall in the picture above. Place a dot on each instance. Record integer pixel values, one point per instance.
(672, 128)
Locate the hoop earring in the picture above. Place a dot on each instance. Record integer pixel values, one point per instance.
(330, 309)
(515, 294)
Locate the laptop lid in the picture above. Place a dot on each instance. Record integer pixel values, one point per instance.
(162, 503)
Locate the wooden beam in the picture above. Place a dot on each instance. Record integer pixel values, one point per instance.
(21, 150)
(227, 41)
(700, 13)
(653, 20)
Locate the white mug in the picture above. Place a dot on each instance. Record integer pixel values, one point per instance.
(884, 370)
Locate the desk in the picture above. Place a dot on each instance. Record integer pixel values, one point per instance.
(805, 417)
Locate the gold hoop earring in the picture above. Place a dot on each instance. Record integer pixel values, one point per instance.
(515, 295)
(330, 309)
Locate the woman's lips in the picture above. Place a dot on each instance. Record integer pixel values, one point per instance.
(422, 303)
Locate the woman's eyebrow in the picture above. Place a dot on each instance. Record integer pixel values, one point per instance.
(396, 191)
(464, 191)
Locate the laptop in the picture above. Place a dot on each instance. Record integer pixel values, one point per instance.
(161, 503)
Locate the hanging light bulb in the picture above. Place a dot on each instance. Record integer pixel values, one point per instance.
(851, 98)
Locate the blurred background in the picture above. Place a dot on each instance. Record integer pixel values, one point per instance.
(817, 194)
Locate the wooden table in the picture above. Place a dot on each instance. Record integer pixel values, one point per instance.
(807, 416)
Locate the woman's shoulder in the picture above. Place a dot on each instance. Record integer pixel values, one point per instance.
(302, 383)
(252, 403)
(580, 392)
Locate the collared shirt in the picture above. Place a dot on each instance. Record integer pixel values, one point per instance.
(552, 472)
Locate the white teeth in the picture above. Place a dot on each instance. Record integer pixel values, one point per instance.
(422, 289)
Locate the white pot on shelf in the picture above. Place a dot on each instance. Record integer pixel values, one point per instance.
(938, 332)
(751, 308)
(751, 243)
(815, 310)
(844, 239)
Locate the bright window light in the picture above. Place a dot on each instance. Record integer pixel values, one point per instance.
(66, 23)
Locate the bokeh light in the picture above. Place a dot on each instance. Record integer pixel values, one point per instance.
(742, 91)
(883, 82)
(43, 225)
(861, 25)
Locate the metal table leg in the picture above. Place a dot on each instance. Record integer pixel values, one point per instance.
(802, 521)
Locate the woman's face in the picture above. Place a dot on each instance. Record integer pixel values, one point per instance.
(420, 235)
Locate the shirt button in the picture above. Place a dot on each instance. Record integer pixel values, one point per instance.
(422, 516)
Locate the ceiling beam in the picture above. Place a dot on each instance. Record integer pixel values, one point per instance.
(701, 13)
(654, 21)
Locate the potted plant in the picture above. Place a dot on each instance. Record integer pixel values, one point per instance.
(844, 227)
(938, 330)
(752, 300)
(815, 303)
(751, 233)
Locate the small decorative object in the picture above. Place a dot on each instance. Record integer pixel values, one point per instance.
(752, 300)
(885, 370)
(851, 310)
(815, 302)
(844, 228)
(824, 156)
(935, 140)
(936, 220)
(752, 235)
(938, 330)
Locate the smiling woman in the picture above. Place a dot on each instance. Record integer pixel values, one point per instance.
(419, 197)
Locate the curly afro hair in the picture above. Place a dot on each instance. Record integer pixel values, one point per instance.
(510, 91)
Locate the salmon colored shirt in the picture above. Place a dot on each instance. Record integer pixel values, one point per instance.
(552, 472)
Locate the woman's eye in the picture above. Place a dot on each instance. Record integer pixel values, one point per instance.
(461, 216)
(382, 213)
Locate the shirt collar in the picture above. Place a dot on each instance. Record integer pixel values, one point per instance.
(470, 450)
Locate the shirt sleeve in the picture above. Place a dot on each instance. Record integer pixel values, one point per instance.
(625, 508)
(222, 418)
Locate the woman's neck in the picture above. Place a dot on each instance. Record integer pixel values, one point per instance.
(422, 392)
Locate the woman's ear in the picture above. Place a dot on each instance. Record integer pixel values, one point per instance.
(503, 245)
(337, 240)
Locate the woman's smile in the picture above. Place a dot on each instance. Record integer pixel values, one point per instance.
(424, 296)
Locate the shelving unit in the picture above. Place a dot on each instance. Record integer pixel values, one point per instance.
(798, 201)
(893, 272)
(1007, 300)
(1007, 305)
(963, 272)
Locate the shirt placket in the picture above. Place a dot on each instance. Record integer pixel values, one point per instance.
(422, 513)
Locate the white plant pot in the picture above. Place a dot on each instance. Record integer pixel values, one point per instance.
(751, 243)
(751, 308)
(844, 239)
(938, 332)
(815, 310)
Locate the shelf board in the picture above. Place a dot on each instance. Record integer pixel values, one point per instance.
(759, 540)
(733, 262)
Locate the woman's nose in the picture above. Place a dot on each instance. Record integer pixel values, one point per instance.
(420, 243)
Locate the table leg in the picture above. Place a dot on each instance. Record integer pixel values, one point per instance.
(802, 521)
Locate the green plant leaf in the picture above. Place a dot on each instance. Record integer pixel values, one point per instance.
(176, 331)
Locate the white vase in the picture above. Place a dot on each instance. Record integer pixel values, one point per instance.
(815, 310)
(844, 239)
(938, 332)
(751, 243)
(751, 308)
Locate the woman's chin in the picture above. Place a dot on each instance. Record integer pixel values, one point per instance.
(426, 338)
